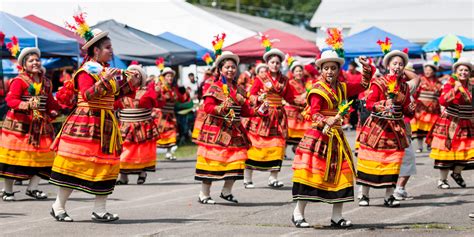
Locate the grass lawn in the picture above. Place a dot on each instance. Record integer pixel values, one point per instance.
(184, 152)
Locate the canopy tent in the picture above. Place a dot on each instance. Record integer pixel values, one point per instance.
(179, 55)
(364, 43)
(200, 50)
(55, 28)
(30, 34)
(251, 48)
(448, 43)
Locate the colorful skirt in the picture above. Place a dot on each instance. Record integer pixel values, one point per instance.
(266, 153)
(297, 125)
(320, 175)
(81, 162)
(423, 121)
(167, 128)
(200, 117)
(382, 147)
(458, 150)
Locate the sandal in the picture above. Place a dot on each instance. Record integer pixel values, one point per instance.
(36, 194)
(107, 217)
(8, 197)
(299, 223)
(121, 182)
(443, 184)
(459, 180)
(63, 217)
(229, 198)
(249, 185)
(342, 223)
(275, 184)
(141, 179)
(391, 202)
(364, 201)
(207, 200)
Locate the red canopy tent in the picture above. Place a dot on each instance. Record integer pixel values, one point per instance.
(250, 49)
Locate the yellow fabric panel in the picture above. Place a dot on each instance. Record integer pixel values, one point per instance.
(420, 125)
(212, 165)
(296, 133)
(266, 154)
(166, 141)
(133, 166)
(377, 168)
(346, 179)
(85, 170)
(451, 155)
(26, 158)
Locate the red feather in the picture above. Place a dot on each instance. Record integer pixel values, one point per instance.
(405, 50)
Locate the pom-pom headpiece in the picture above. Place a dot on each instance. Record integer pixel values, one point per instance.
(80, 26)
(14, 47)
(217, 44)
(385, 46)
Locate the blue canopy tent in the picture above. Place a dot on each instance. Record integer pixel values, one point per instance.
(448, 43)
(200, 50)
(30, 34)
(364, 43)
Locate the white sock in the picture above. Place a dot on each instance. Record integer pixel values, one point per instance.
(205, 190)
(273, 176)
(443, 174)
(8, 185)
(458, 169)
(99, 204)
(59, 205)
(337, 212)
(248, 175)
(365, 190)
(388, 193)
(33, 184)
(298, 213)
(227, 188)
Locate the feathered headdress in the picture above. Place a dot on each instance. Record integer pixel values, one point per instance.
(217, 44)
(436, 59)
(385, 46)
(160, 63)
(80, 26)
(14, 47)
(289, 60)
(265, 41)
(405, 50)
(335, 40)
(458, 51)
(207, 58)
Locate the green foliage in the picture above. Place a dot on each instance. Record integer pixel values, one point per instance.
(296, 12)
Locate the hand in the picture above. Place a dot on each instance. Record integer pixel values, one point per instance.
(110, 73)
(412, 106)
(331, 121)
(262, 96)
(263, 108)
(364, 61)
(457, 85)
(33, 103)
(388, 104)
(134, 77)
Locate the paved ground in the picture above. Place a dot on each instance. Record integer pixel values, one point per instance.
(167, 206)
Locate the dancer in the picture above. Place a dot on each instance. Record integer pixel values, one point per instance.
(89, 144)
(451, 138)
(222, 141)
(268, 134)
(27, 132)
(383, 137)
(427, 104)
(139, 131)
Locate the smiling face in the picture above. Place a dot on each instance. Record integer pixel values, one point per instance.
(274, 64)
(104, 52)
(463, 72)
(396, 65)
(32, 64)
(330, 71)
(428, 71)
(169, 78)
(298, 72)
(262, 72)
(228, 69)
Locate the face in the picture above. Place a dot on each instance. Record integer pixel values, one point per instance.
(298, 72)
(396, 65)
(330, 71)
(274, 64)
(351, 67)
(32, 64)
(463, 72)
(169, 78)
(191, 78)
(428, 71)
(262, 72)
(241, 81)
(104, 52)
(229, 69)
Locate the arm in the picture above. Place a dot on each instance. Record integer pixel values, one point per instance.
(255, 92)
(148, 100)
(448, 95)
(316, 104)
(374, 103)
(13, 98)
(211, 106)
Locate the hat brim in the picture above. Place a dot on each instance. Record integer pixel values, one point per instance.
(459, 63)
(140, 70)
(392, 54)
(95, 39)
(227, 56)
(260, 66)
(26, 51)
(321, 61)
(430, 65)
(168, 71)
(296, 64)
(273, 51)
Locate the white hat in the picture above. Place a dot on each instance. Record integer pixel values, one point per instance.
(462, 61)
(227, 55)
(409, 67)
(139, 68)
(259, 66)
(273, 51)
(98, 34)
(392, 54)
(431, 64)
(26, 51)
(168, 70)
(329, 56)
(296, 64)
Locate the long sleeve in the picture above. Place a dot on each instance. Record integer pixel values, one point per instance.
(317, 103)
(210, 106)
(288, 94)
(354, 88)
(148, 100)
(13, 98)
(52, 104)
(375, 102)
(254, 92)
(248, 110)
(448, 96)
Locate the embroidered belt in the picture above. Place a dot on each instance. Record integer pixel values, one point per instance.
(460, 111)
(134, 115)
(42, 99)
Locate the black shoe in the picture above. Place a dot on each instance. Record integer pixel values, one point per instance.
(36, 194)
(299, 223)
(141, 179)
(391, 202)
(121, 182)
(459, 180)
(107, 217)
(229, 198)
(364, 201)
(341, 224)
(63, 217)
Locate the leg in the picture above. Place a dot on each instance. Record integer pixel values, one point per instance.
(420, 144)
(364, 199)
(123, 179)
(32, 189)
(443, 179)
(336, 218)
(400, 193)
(298, 215)
(141, 177)
(100, 213)
(205, 194)
(273, 180)
(389, 200)
(456, 175)
(226, 193)
(248, 179)
(8, 194)
(59, 206)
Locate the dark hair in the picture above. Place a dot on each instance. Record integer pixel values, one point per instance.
(98, 44)
(434, 69)
(391, 58)
(190, 74)
(26, 58)
(296, 67)
(252, 65)
(275, 55)
(354, 64)
(221, 64)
